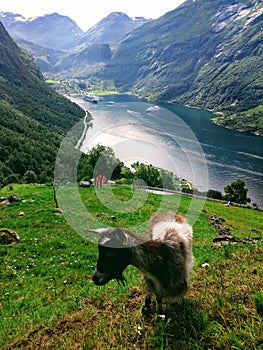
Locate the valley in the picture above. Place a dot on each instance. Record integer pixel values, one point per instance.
(208, 57)
(175, 101)
(180, 139)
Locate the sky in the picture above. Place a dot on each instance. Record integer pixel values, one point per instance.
(88, 13)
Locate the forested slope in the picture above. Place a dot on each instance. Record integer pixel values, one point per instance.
(33, 118)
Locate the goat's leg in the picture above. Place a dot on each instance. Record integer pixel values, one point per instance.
(146, 306)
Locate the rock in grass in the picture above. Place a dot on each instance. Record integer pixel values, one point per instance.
(8, 236)
(13, 198)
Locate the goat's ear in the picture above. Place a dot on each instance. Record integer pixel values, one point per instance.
(98, 231)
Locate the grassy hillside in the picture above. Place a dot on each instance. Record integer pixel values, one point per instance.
(48, 300)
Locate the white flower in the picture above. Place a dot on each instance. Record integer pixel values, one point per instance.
(162, 317)
(139, 329)
(205, 265)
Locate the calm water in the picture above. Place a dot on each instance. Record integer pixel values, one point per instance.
(180, 139)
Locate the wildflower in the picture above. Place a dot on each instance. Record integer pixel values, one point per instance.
(205, 265)
(139, 329)
(162, 317)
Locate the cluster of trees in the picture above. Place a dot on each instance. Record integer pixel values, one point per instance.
(157, 177)
(235, 192)
(33, 118)
(27, 148)
(17, 165)
(101, 160)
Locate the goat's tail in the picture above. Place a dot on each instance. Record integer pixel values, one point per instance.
(159, 222)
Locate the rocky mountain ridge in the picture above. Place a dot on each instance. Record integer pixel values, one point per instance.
(57, 32)
(112, 28)
(57, 44)
(51, 31)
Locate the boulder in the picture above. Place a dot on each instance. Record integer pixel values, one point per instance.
(8, 236)
(13, 198)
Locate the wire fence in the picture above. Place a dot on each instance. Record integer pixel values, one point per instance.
(194, 194)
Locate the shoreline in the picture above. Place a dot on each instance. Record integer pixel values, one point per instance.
(222, 115)
(213, 120)
(256, 133)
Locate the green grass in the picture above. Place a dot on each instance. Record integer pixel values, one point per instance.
(48, 299)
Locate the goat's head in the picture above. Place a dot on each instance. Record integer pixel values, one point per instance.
(114, 255)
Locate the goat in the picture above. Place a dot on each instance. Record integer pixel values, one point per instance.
(165, 258)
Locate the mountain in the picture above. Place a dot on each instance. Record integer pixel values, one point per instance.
(73, 63)
(204, 53)
(58, 32)
(57, 44)
(88, 55)
(33, 118)
(112, 28)
(45, 58)
(51, 31)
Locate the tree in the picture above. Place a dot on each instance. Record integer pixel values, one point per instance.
(214, 194)
(170, 180)
(149, 174)
(85, 170)
(29, 177)
(100, 160)
(126, 175)
(237, 192)
(13, 179)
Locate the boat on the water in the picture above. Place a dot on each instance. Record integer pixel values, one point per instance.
(90, 98)
(153, 109)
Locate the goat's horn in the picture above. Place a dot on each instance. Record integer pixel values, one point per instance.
(98, 231)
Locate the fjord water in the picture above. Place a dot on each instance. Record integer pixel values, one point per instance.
(180, 139)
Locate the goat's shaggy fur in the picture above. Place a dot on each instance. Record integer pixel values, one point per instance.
(165, 258)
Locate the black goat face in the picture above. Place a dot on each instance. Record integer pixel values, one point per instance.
(112, 261)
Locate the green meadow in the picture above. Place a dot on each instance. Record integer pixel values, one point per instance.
(49, 301)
